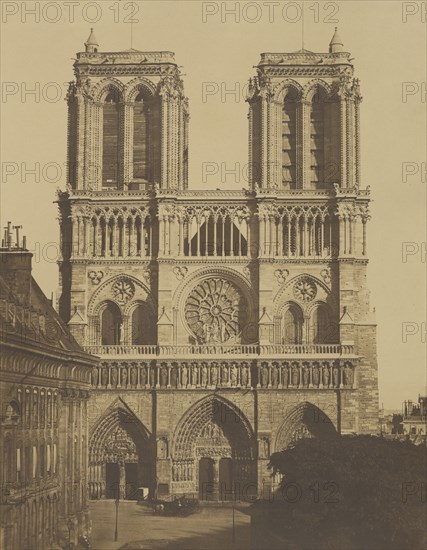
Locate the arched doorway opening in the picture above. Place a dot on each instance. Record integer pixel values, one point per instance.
(206, 478)
(120, 455)
(305, 420)
(214, 452)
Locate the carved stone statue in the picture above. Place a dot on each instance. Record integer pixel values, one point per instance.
(162, 448)
(264, 375)
(95, 376)
(306, 375)
(335, 376)
(214, 374)
(193, 373)
(114, 376)
(316, 375)
(285, 376)
(143, 376)
(152, 373)
(264, 448)
(224, 373)
(133, 376)
(274, 375)
(244, 375)
(204, 375)
(184, 376)
(174, 376)
(295, 375)
(104, 376)
(233, 372)
(326, 376)
(124, 377)
(163, 376)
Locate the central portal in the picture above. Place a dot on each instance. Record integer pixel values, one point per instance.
(226, 479)
(214, 452)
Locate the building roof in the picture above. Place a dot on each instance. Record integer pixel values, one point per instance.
(32, 318)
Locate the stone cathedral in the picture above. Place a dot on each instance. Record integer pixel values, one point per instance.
(228, 323)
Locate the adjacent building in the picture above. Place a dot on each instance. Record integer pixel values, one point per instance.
(44, 391)
(415, 420)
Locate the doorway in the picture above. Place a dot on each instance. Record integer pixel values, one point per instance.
(226, 479)
(206, 479)
(131, 473)
(112, 480)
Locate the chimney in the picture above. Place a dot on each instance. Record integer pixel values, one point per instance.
(15, 263)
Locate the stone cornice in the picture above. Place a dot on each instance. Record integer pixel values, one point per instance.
(217, 194)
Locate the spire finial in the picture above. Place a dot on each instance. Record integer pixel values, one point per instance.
(336, 44)
(92, 43)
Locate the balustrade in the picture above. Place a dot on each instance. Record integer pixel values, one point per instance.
(221, 349)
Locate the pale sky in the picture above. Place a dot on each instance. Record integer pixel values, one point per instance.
(219, 53)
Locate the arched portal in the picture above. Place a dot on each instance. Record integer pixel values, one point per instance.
(305, 420)
(214, 452)
(120, 455)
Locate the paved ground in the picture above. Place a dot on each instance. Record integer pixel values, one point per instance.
(209, 528)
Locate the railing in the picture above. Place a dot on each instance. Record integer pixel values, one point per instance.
(222, 349)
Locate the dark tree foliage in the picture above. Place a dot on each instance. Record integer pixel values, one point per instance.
(349, 493)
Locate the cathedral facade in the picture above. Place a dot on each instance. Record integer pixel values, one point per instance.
(228, 323)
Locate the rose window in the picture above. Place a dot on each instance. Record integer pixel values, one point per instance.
(123, 290)
(213, 311)
(305, 290)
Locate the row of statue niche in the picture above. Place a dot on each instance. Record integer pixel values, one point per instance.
(128, 376)
(281, 374)
(182, 471)
(204, 375)
(198, 375)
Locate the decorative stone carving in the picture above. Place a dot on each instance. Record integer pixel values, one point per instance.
(281, 275)
(305, 290)
(95, 276)
(162, 447)
(180, 272)
(264, 447)
(123, 290)
(213, 311)
(222, 452)
(326, 275)
(120, 448)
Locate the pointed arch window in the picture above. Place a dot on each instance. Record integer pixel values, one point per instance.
(292, 325)
(142, 325)
(141, 132)
(289, 112)
(323, 330)
(111, 325)
(317, 140)
(110, 140)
